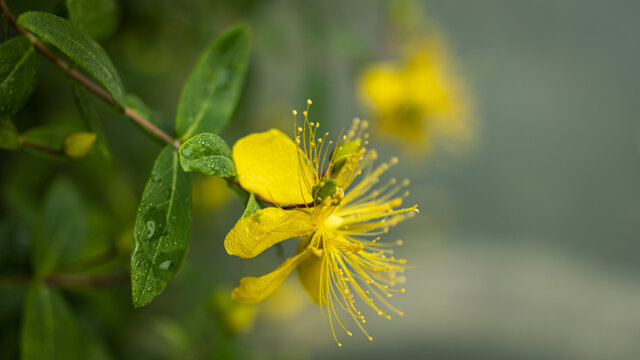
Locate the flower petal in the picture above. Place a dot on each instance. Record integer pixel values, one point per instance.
(268, 165)
(264, 228)
(252, 290)
(309, 274)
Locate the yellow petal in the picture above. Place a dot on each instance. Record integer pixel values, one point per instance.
(309, 274)
(252, 290)
(268, 165)
(264, 228)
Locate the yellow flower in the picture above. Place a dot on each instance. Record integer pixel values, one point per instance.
(337, 219)
(233, 317)
(417, 98)
(209, 193)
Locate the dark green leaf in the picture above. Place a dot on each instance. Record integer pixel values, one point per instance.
(64, 228)
(162, 228)
(252, 206)
(49, 329)
(78, 46)
(8, 135)
(138, 106)
(19, 69)
(208, 154)
(97, 18)
(90, 117)
(212, 91)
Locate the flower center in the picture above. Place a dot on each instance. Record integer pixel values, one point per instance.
(333, 222)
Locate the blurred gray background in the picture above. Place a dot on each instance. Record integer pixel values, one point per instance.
(527, 244)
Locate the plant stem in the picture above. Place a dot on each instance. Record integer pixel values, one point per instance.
(90, 85)
(91, 262)
(266, 201)
(69, 280)
(86, 281)
(41, 148)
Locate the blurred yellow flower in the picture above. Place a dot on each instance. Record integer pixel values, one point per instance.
(418, 98)
(339, 256)
(284, 304)
(209, 193)
(234, 317)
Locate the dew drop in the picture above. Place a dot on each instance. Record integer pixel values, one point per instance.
(165, 265)
(151, 228)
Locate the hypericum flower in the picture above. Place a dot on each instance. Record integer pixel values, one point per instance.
(338, 220)
(419, 97)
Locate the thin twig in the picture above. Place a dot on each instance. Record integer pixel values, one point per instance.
(41, 148)
(86, 281)
(91, 262)
(90, 85)
(67, 281)
(283, 207)
(13, 280)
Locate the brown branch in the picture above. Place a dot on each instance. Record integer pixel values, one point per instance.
(90, 85)
(283, 207)
(86, 281)
(41, 148)
(92, 262)
(67, 281)
(13, 280)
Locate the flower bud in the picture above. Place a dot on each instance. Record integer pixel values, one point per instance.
(78, 145)
(327, 190)
(343, 151)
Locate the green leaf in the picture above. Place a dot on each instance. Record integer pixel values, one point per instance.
(97, 18)
(138, 106)
(63, 230)
(162, 228)
(213, 89)
(88, 114)
(49, 329)
(208, 154)
(252, 206)
(8, 135)
(78, 46)
(19, 69)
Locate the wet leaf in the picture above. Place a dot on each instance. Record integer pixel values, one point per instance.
(213, 89)
(208, 154)
(78, 46)
(162, 228)
(97, 18)
(49, 329)
(252, 206)
(64, 227)
(19, 70)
